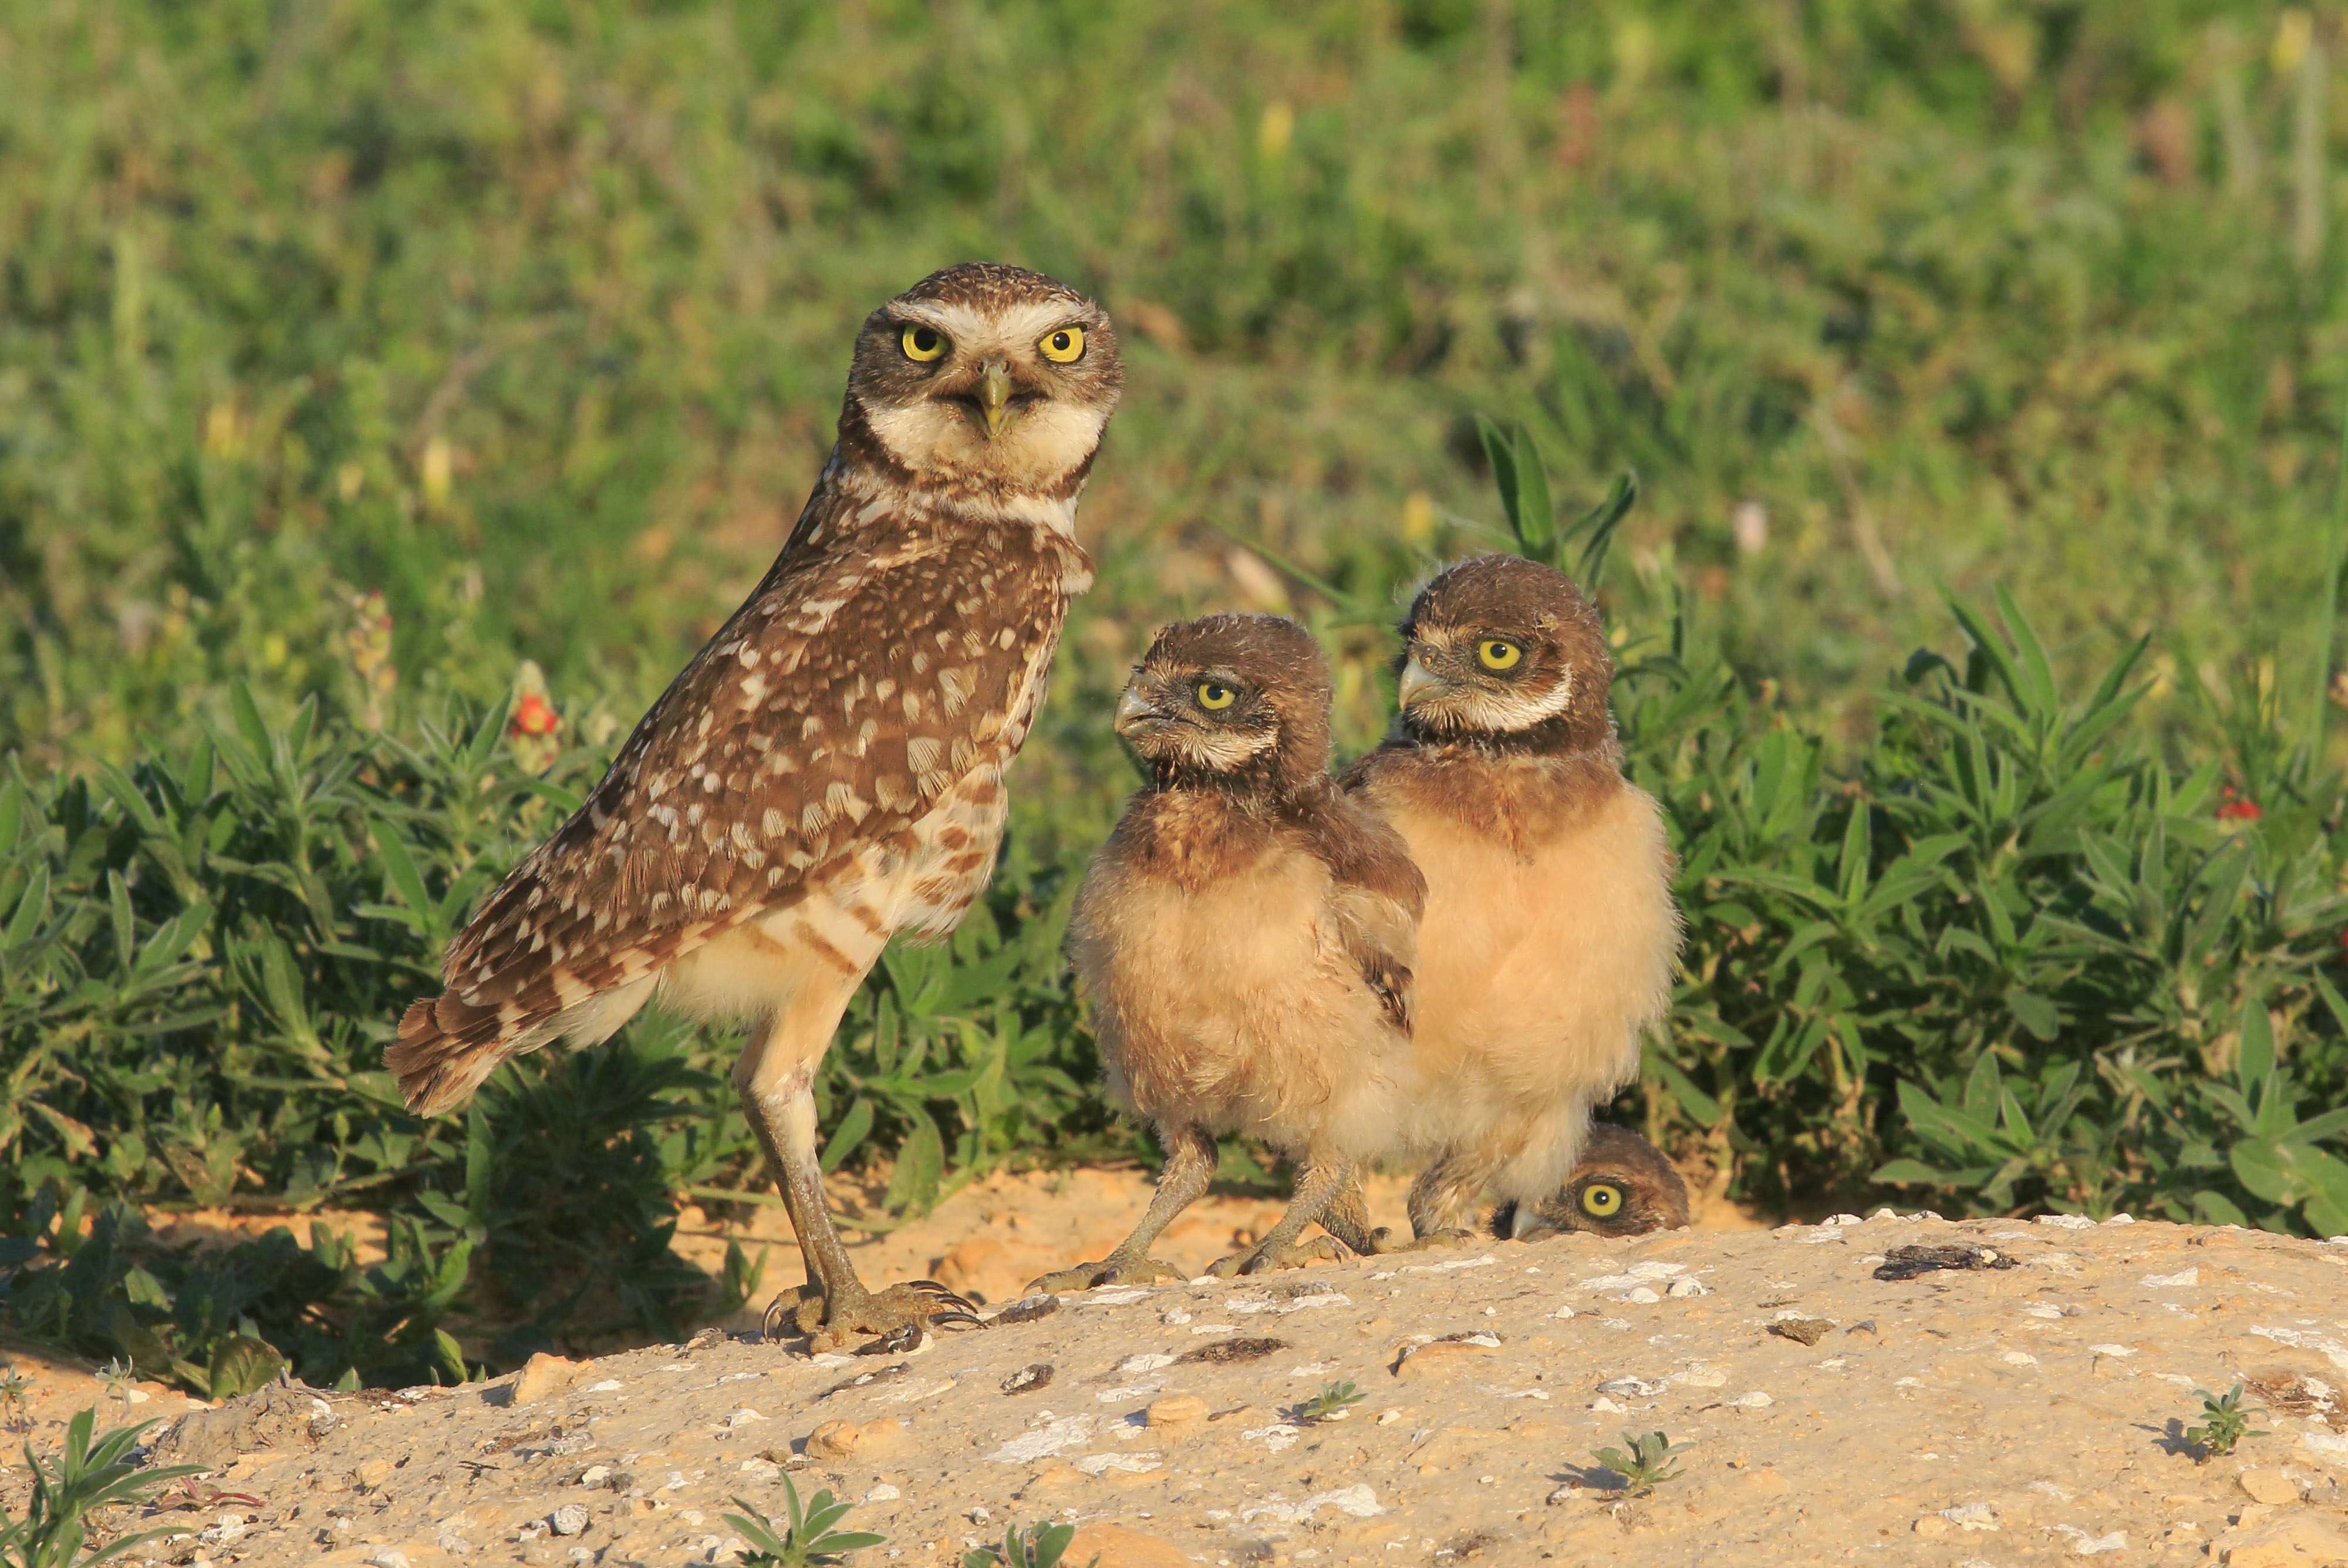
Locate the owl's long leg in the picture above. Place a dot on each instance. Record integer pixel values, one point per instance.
(1321, 1182)
(1189, 1166)
(776, 1075)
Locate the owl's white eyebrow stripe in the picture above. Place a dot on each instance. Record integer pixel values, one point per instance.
(979, 331)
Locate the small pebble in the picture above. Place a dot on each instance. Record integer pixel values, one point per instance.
(569, 1519)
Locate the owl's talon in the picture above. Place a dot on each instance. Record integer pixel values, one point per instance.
(1266, 1259)
(1111, 1270)
(1384, 1243)
(830, 1323)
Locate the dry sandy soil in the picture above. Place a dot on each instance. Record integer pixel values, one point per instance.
(2032, 1408)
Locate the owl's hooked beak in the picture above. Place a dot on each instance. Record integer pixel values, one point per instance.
(1417, 681)
(995, 396)
(1134, 714)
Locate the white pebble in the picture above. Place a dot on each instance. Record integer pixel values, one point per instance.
(608, 1385)
(569, 1519)
(884, 1492)
(1753, 1401)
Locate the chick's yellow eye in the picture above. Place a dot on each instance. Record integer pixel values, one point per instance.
(1498, 654)
(1602, 1200)
(1215, 696)
(1065, 346)
(923, 344)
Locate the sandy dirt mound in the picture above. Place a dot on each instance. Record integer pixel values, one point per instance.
(1835, 1397)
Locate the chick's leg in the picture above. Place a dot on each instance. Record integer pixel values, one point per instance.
(1438, 1198)
(776, 1075)
(1189, 1166)
(1319, 1184)
(1347, 1218)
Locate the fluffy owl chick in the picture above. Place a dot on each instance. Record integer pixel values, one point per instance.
(828, 771)
(1622, 1186)
(1549, 935)
(1246, 934)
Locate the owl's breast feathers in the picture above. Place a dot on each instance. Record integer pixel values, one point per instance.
(891, 653)
(1251, 967)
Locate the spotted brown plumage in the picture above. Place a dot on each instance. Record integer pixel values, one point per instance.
(1246, 935)
(1550, 932)
(828, 770)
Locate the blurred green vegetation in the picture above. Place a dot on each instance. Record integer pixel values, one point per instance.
(352, 355)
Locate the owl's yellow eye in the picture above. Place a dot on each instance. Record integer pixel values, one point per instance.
(1214, 696)
(923, 344)
(1065, 346)
(1602, 1200)
(1498, 654)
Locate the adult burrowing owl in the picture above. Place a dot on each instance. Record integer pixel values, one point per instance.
(1551, 933)
(1622, 1186)
(1246, 934)
(828, 771)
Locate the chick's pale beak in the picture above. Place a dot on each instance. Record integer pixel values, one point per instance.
(1415, 681)
(995, 396)
(1134, 712)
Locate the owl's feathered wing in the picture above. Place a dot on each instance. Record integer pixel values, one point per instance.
(882, 660)
(1376, 897)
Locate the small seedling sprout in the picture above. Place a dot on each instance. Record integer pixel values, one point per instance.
(16, 1396)
(1040, 1545)
(806, 1540)
(1648, 1463)
(2224, 1423)
(1334, 1403)
(117, 1374)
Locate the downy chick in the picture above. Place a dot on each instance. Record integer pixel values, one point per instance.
(1549, 935)
(1245, 936)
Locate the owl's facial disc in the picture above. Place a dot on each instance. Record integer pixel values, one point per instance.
(1016, 392)
(1484, 679)
(1206, 720)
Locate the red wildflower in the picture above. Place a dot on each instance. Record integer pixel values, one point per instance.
(533, 716)
(2233, 809)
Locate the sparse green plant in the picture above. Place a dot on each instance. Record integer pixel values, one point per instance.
(804, 1538)
(1645, 1464)
(2224, 1423)
(60, 1526)
(1334, 1403)
(1038, 1545)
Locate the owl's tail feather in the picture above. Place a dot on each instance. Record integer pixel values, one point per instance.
(447, 1045)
